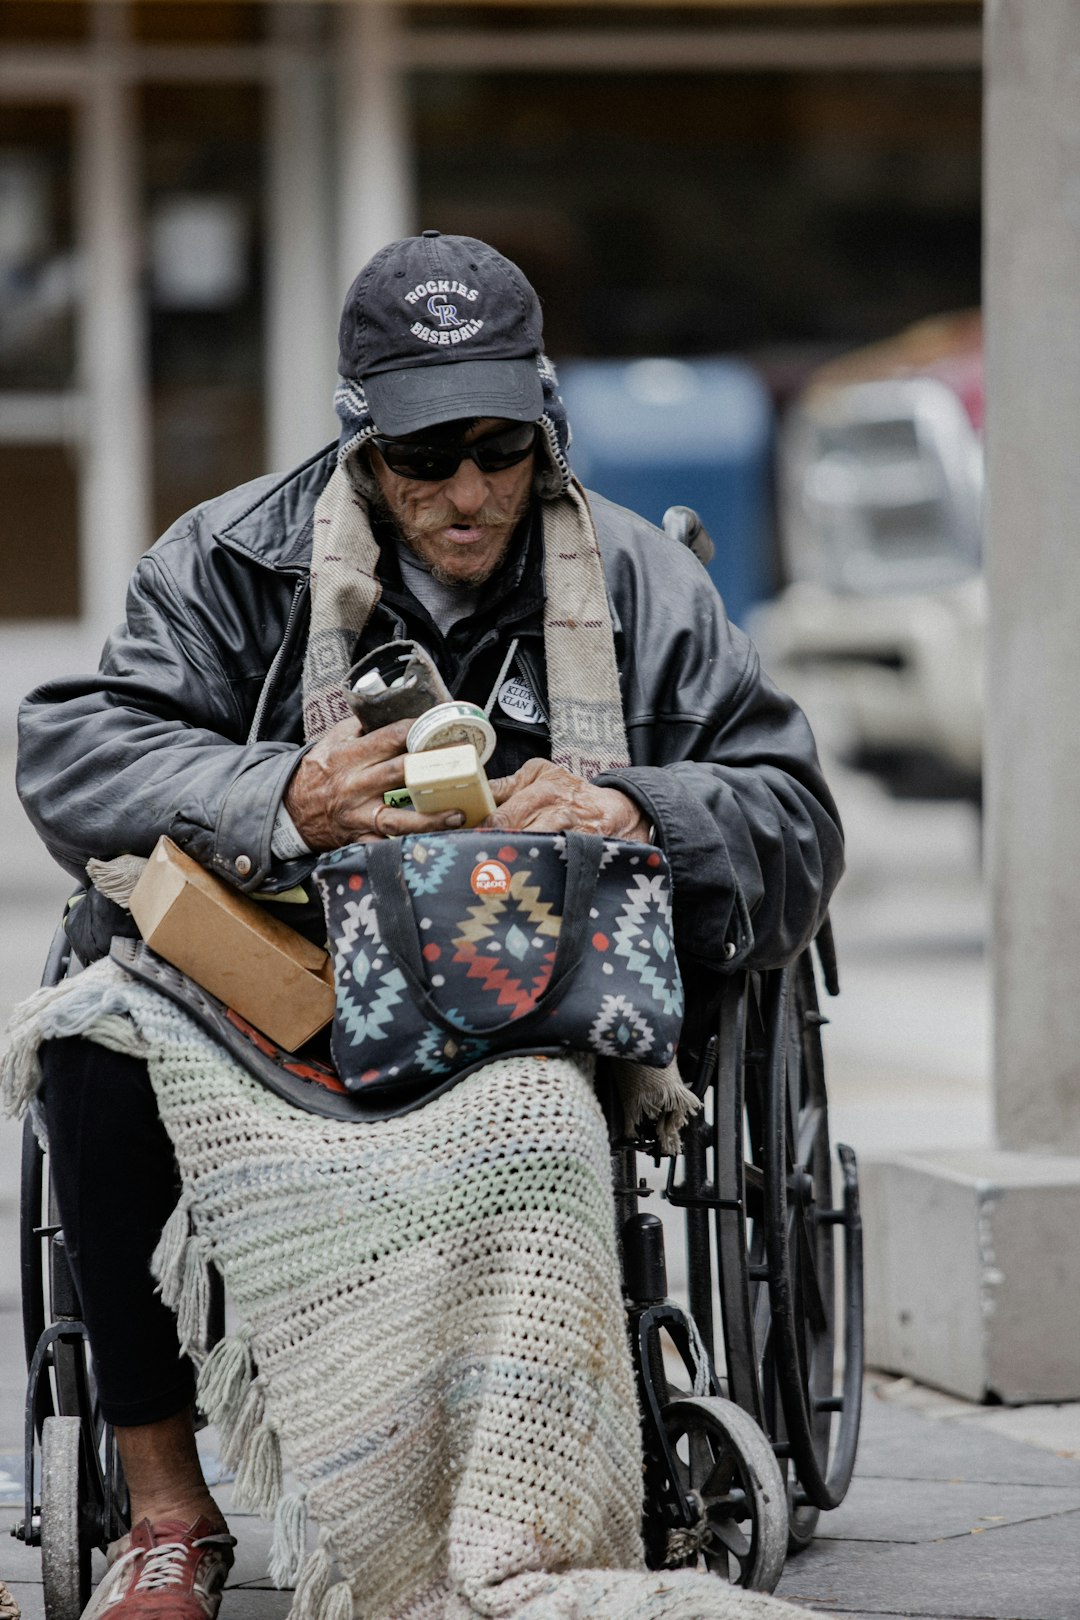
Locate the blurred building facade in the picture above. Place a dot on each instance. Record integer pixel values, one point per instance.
(187, 188)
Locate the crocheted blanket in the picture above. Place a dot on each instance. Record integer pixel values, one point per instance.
(432, 1331)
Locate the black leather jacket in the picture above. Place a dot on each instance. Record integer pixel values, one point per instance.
(192, 726)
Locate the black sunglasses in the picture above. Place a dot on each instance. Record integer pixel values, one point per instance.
(433, 463)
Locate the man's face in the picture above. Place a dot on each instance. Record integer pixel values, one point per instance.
(460, 526)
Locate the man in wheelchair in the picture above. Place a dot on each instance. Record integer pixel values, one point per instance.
(623, 704)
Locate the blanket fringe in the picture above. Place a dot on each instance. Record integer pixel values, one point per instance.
(312, 1583)
(97, 1009)
(290, 1539)
(236, 1436)
(167, 1260)
(193, 1305)
(116, 1031)
(260, 1474)
(224, 1380)
(181, 1264)
(20, 1076)
(338, 1603)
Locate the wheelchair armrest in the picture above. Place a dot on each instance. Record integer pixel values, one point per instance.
(681, 523)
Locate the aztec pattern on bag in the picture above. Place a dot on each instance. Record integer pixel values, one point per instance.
(487, 913)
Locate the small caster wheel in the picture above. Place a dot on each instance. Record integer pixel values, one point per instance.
(65, 1557)
(727, 1469)
(802, 1523)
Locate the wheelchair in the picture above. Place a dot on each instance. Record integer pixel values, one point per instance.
(746, 1438)
(754, 1180)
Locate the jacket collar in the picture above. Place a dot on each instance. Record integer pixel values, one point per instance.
(271, 521)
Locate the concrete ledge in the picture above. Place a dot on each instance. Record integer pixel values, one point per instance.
(973, 1272)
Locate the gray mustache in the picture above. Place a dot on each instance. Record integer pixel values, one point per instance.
(488, 517)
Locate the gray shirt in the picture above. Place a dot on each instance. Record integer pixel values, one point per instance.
(446, 603)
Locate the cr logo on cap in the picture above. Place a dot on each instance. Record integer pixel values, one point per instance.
(443, 310)
(490, 877)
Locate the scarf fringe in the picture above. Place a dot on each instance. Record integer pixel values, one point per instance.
(659, 1095)
(116, 879)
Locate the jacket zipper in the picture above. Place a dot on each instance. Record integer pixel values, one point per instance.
(272, 672)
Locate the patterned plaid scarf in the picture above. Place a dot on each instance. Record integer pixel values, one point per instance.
(588, 735)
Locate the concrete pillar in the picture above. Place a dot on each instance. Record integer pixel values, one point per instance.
(115, 485)
(302, 300)
(1033, 384)
(973, 1268)
(375, 188)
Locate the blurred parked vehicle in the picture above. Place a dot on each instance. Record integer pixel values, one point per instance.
(659, 433)
(880, 631)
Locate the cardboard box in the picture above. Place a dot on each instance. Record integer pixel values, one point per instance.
(265, 971)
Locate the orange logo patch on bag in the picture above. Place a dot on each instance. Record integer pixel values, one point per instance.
(490, 877)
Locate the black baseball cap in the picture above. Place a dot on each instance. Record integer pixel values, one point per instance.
(441, 327)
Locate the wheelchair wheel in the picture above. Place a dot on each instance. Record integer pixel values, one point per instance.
(62, 1374)
(48, 1293)
(775, 1224)
(65, 1550)
(727, 1467)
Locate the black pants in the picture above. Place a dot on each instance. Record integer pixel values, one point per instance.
(116, 1182)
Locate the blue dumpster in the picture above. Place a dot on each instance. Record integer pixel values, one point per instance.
(657, 433)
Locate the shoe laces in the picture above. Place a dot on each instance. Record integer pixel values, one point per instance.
(163, 1566)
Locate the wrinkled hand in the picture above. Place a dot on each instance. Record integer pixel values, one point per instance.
(335, 796)
(543, 797)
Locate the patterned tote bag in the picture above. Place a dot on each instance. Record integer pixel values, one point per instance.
(450, 949)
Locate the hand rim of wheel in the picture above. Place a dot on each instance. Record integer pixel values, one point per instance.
(824, 1486)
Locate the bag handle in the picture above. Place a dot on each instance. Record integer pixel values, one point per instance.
(397, 926)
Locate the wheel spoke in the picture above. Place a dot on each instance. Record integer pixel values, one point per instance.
(762, 1322)
(753, 1192)
(722, 1477)
(731, 1536)
(701, 1454)
(683, 1478)
(812, 1301)
(810, 1123)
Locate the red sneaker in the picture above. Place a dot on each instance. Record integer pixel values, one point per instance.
(170, 1571)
